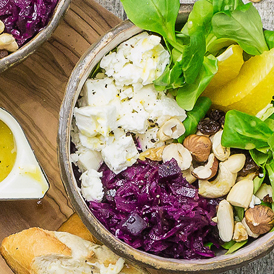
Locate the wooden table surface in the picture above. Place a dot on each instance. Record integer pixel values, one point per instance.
(33, 91)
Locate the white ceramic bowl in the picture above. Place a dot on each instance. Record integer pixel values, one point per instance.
(26, 179)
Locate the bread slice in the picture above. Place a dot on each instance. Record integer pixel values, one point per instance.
(38, 251)
(103, 255)
(77, 262)
(20, 249)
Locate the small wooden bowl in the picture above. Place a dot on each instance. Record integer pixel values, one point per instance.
(89, 60)
(30, 47)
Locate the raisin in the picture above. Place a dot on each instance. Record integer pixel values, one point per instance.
(249, 167)
(216, 115)
(208, 126)
(222, 121)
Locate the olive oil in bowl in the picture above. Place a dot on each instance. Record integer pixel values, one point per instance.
(7, 151)
(21, 176)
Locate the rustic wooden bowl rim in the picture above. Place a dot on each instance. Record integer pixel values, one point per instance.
(30, 47)
(111, 39)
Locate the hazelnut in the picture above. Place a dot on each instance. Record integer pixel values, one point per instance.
(240, 232)
(179, 153)
(260, 219)
(199, 146)
(207, 171)
(171, 129)
(265, 193)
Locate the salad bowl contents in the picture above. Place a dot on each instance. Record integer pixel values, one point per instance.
(21, 175)
(167, 161)
(25, 25)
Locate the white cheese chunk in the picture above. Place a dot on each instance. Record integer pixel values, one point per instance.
(92, 187)
(98, 92)
(94, 143)
(133, 117)
(120, 154)
(94, 120)
(89, 159)
(126, 93)
(146, 96)
(134, 122)
(164, 109)
(140, 59)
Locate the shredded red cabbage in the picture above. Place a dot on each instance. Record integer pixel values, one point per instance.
(25, 18)
(152, 207)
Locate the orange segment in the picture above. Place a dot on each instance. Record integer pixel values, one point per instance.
(229, 65)
(251, 90)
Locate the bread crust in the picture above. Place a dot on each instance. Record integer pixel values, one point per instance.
(24, 251)
(20, 249)
(75, 226)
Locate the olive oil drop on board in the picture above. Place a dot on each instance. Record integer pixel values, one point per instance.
(7, 151)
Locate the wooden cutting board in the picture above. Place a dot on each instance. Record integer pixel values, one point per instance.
(33, 91)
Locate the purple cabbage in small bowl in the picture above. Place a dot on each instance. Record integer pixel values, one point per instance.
(25, 18)
(26, 24)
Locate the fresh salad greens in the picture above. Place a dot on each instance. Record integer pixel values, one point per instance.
(251, 133)
(233, 246)
(194, 116)
(211, 25)
(269, 37)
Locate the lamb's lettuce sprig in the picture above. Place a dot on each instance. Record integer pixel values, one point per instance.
(241, 23)
(194, 116)
(269, 37)
(233, 246)
(248, 132)
(212, 25)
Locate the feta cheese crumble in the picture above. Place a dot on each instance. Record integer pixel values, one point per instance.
(141, 59)
(91, 187)
(120, 110)
(126, 156)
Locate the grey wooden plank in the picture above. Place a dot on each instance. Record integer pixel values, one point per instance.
(113, 6)
(265, 8)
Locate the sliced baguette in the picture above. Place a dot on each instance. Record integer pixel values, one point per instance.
(20, 249)
(103, 255)
(38, 251)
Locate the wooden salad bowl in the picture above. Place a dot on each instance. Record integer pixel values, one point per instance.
(27, 49)
(254, 250)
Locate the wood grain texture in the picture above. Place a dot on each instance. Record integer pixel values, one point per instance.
(33, 91)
